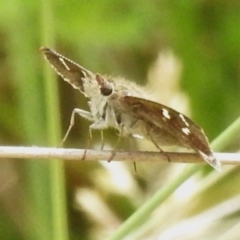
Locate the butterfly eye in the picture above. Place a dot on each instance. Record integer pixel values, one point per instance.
(105, 87)
(106, 90)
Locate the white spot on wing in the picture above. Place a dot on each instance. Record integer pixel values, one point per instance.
(137, 136)
(64, 63)
(186, 131)
(166, 113)
(183, 119)
(211, 160)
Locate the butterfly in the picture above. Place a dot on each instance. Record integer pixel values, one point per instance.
(125, 106)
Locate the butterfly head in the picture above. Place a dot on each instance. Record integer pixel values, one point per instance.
(106, 88)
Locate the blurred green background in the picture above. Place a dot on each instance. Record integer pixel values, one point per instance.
(188, 55)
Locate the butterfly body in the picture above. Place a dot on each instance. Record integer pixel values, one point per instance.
(125, 106)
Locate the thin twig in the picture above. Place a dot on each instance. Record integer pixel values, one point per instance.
(95, 155)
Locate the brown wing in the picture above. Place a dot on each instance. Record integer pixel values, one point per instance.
(175, 123)
(67, 69)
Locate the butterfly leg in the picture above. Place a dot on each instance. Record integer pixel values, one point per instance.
(100, 124)
(88, 143)
(131, 147)
(147, 134)
(115, 147)
(102, 140)
(156, 145)
(138, 124)
(121, 133)
(82, 113)
(117, 142)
